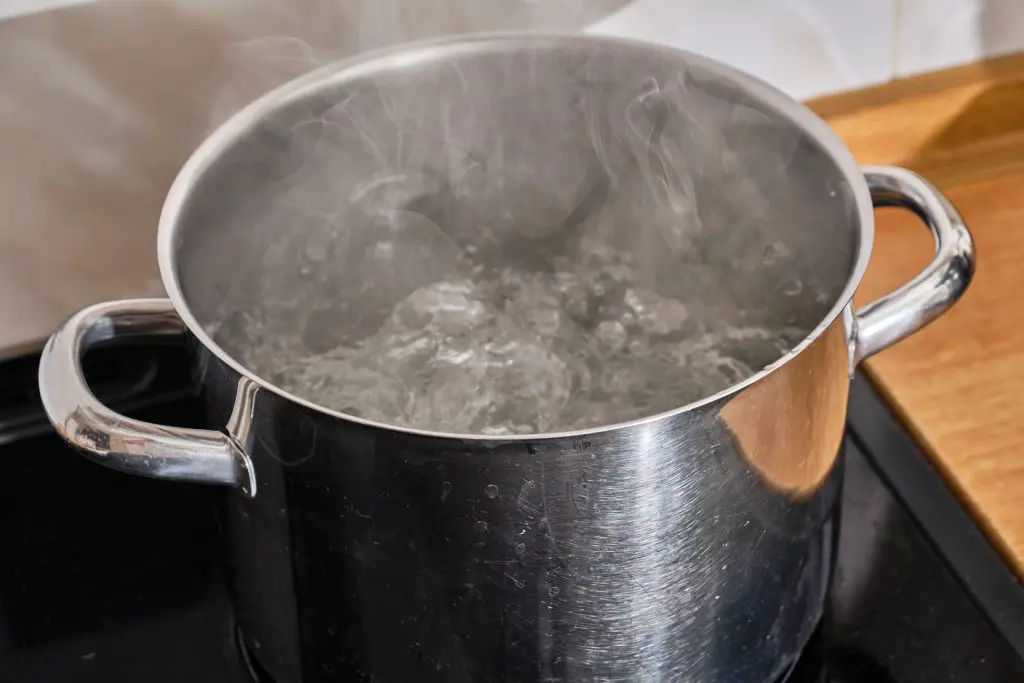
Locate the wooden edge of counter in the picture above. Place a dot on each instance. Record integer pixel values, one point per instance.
(954, 126)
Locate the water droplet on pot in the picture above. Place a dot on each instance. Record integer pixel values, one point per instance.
(491, 491)
(481, 525)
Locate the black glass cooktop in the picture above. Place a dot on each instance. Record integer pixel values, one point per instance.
(111, 578)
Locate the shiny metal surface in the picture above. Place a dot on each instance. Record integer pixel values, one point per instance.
(884, 322)
(114, 440)
(663, 551)
(693, 546)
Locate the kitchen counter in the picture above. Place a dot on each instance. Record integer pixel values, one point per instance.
(957, 384)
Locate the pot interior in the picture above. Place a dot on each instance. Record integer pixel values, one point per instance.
(516, 235)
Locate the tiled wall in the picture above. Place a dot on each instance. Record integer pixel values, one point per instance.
(806, 47)
(813, 47)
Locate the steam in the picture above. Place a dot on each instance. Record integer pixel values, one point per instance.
(281, 40)
(570, 235)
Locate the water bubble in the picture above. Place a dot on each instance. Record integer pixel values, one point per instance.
(490, 349)
(446, 488)
(480, 525)
(543, 526)
(792, 288)
(775, 252)
(491, 491)
(520, 548)
(553, 591)
(316, 253)
(612, 334)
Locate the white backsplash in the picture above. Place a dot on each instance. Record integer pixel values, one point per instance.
(935, 34)
(815, 47)
(805, 47)
(17, 8)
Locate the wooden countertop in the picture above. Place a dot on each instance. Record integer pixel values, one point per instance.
(958, 384)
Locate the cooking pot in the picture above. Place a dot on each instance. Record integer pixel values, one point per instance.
(691, 545)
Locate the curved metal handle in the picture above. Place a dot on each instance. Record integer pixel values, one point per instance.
(899, 314)
(114, 440)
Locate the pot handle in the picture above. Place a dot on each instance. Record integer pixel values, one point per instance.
(935, 289)
(111, 439)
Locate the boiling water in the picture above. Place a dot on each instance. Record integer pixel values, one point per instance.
(500, 350)
(602, 242)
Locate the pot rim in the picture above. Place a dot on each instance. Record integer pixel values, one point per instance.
(239, 124)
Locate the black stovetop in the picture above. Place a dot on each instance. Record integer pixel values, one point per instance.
(111, 578)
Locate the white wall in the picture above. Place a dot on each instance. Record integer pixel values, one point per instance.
(813, 47)
(806, 47)
(14, 8)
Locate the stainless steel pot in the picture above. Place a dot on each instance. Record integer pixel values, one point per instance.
(693, 545)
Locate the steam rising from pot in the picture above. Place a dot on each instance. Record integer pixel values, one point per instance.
(509, 235)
